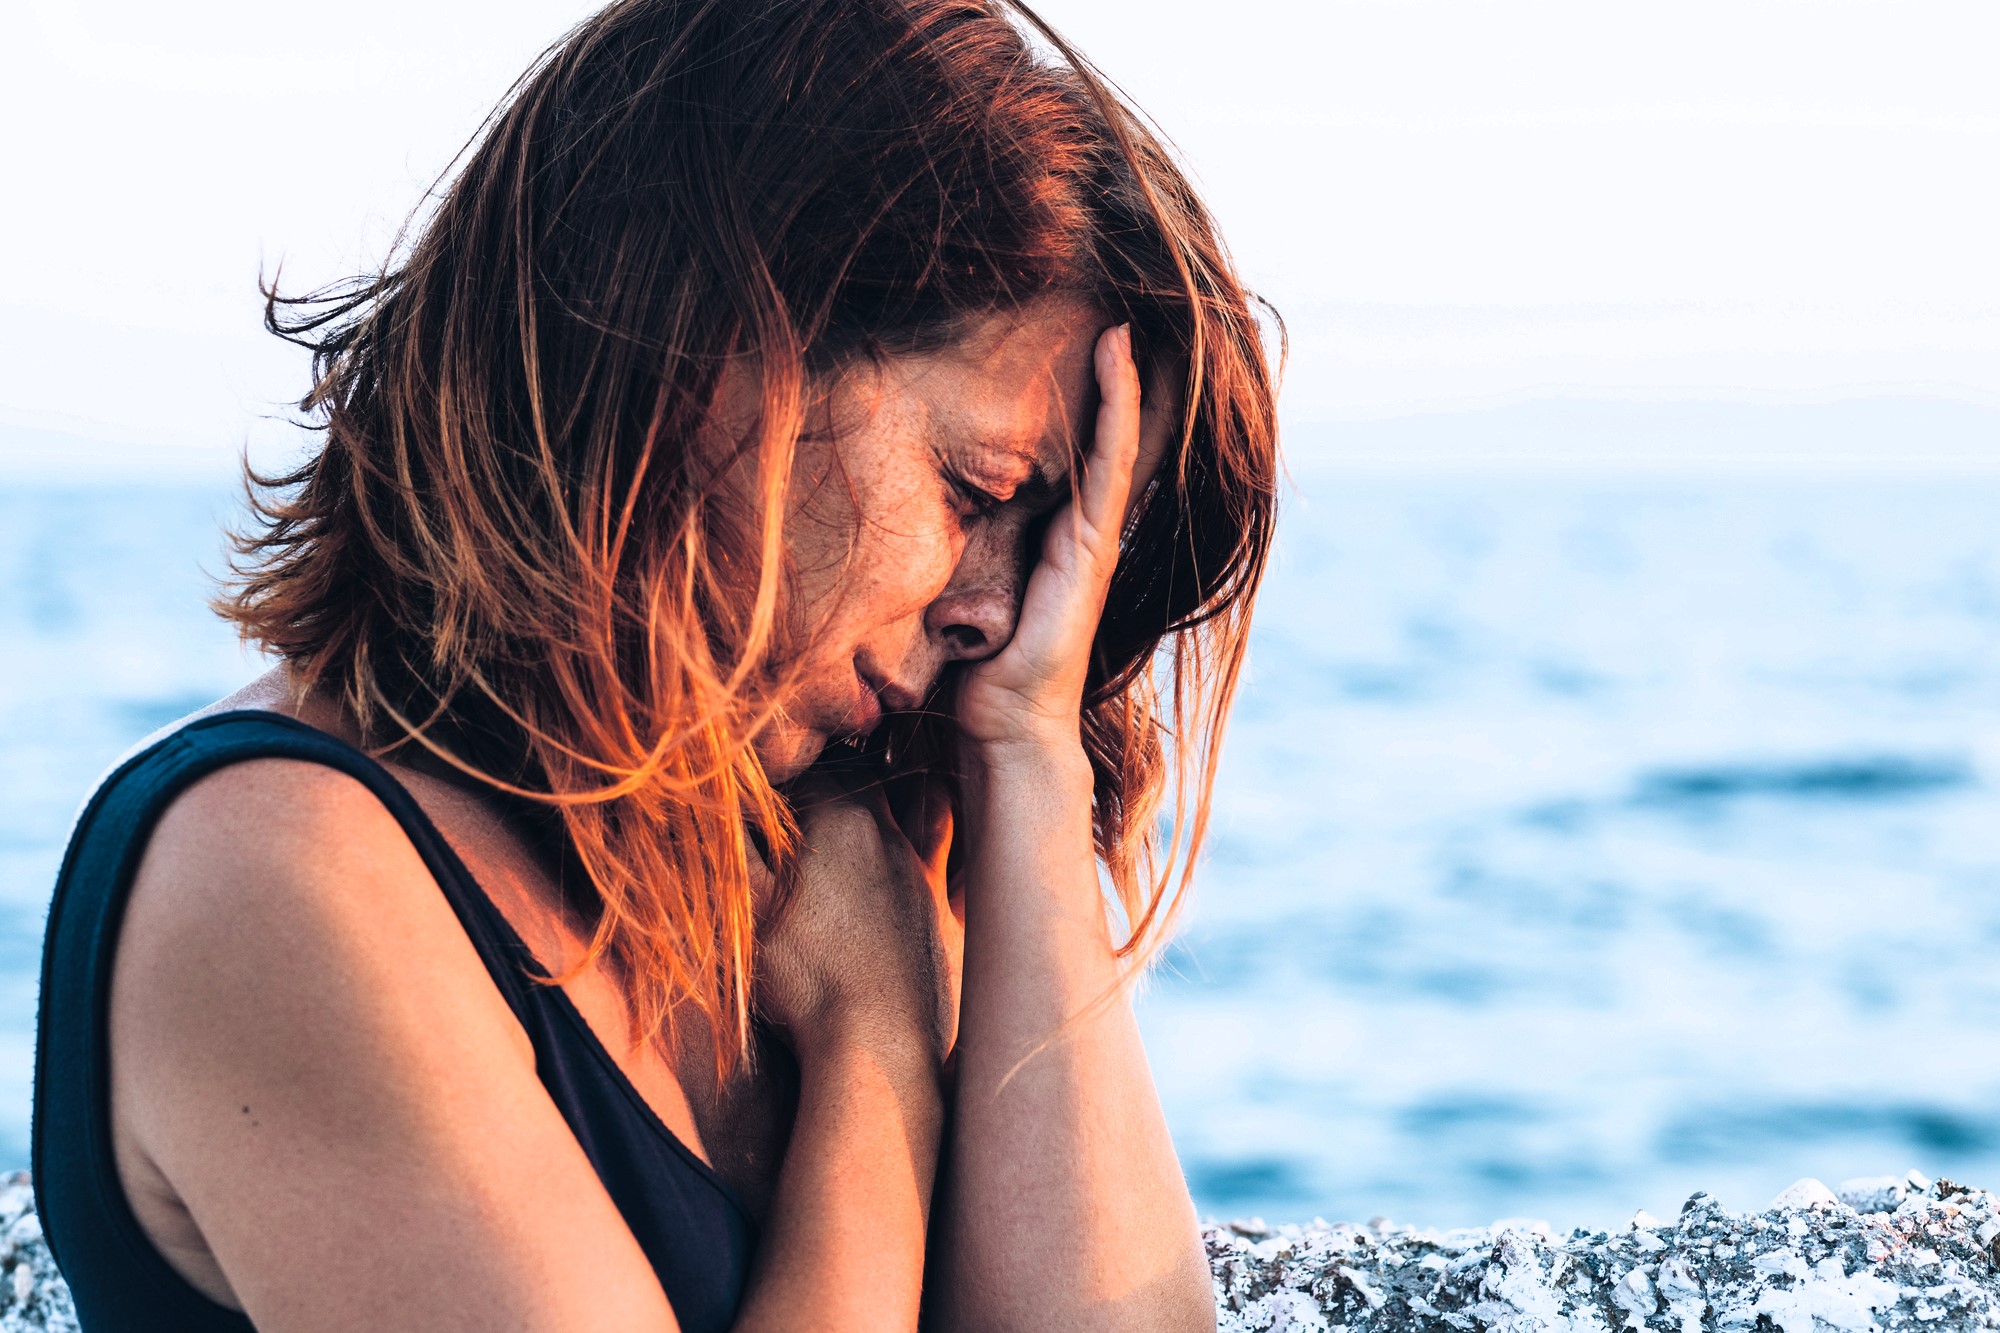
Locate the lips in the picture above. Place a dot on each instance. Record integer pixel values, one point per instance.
(897, 698)
(866, 714)
(880, 695)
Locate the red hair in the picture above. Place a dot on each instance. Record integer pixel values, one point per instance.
(514, 550)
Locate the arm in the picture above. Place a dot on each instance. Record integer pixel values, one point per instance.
(307, 1051)
(843, 1248)
(308, 1054)
(1065, 1206)
(849, 971)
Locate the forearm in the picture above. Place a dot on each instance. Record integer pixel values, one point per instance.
(1066, 1205)
(844, 1244)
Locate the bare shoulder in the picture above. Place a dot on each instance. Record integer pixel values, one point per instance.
(274, 877)
(309, 1057)
(267, 805)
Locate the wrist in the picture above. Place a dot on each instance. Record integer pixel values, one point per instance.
(900, 1052)
(859, 1072)
(1052, 763)
(1037, 792)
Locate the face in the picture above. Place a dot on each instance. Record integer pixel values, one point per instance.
(913, 508)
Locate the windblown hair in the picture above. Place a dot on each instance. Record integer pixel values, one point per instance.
(519, 548)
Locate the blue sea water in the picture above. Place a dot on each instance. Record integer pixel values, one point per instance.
(1580, 841)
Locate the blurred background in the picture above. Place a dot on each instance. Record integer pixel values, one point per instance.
(1613, 808)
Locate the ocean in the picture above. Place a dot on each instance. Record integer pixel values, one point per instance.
(1581, 841)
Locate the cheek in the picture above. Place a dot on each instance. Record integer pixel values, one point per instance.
(873, 538)
(900, 575)
(786, 749)
(907, 542)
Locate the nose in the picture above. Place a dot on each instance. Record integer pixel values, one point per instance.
(974, 617)
(975, 624)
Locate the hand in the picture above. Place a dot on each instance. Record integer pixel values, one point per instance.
(867, 950)
(1032, 690)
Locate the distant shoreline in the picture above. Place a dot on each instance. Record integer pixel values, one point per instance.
(1886, 435)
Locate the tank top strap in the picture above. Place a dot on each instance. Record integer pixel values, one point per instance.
(87, 1220)
(692, 1227)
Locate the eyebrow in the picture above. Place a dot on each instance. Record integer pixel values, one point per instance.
(1038, 487)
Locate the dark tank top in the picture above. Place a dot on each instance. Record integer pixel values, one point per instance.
(691, 1226)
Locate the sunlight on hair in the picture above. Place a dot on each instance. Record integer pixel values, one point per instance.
(524, 549)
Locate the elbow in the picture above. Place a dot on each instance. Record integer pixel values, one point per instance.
(1194, 1309)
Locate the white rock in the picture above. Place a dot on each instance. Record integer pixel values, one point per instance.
(1286, 1312)
(1360, 1284)
(1806, 1193)
(1873, 1194)
(1635, 1293)
(1677, 1281)
(1772, 1263)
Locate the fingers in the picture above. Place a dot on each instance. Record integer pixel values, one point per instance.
(1114, 451)
(1158, 420)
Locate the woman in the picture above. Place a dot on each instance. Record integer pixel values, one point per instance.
(766, 523)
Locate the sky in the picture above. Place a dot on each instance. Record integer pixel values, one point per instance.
(1458, 206)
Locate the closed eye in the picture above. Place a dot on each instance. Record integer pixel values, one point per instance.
(982, 503)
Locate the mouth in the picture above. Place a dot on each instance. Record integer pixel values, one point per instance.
(879, 696)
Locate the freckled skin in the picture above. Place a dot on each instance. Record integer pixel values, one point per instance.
(265, 955)
(898, 572)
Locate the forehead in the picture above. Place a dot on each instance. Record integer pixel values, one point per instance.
(1022, 381)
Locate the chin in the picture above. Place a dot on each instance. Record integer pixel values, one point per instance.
(786, 750)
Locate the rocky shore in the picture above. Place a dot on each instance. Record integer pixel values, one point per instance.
(1892, 1253)
(1889, 1253)
(33, 1298)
